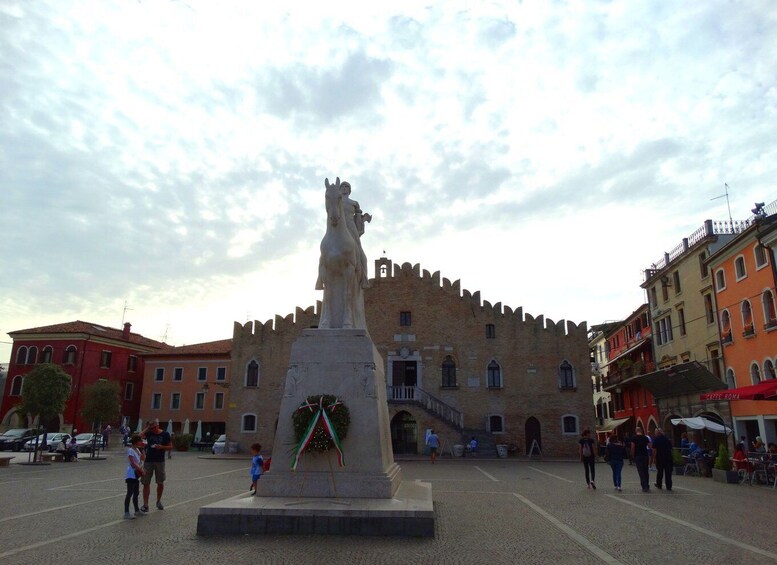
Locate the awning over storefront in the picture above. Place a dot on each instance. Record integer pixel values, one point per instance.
(610, 425)
(766, 390)
(685, 378)
(701, 423)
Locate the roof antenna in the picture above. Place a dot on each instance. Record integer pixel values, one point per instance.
(124, 312)
(730, 219)
(164, 336)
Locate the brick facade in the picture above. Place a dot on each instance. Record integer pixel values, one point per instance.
(417, 320)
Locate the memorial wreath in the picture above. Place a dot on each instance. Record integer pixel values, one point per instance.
(320, 424)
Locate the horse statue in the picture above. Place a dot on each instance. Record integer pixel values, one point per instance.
(339, 268)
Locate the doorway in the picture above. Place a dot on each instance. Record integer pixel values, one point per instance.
(404, 373)
(404, 434)
(533, 433)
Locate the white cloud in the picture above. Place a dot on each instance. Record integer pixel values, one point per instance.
(173, 153)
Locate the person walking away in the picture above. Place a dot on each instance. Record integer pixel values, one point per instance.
(588, 457)
(639, 454)
(157, 442)
(433, 442)
(257, 465)
(106, 436)
(662, 450)
(616, 455)
(132, 475)
(473, 446)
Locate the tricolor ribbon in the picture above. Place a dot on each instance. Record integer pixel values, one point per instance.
(307, 437)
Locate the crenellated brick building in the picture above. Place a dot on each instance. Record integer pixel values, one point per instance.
(453, 362)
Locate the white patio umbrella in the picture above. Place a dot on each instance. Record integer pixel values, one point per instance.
(169, 426)
(185, 426)
(198, 433)
(140, 426)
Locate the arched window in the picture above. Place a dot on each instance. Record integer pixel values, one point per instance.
(21, 356)
(731, 382)
(769, 370)
(569, 424)
(248, 423)
(448, 369)
(494, 378)
(32, 355)
(770, 315)
(566, 375)
(755, 373)
(747, 318)
(46, 354)
(720, 280)
(739, 266)
(16, 386)
(759, 251)
(252, 374)
(725, 327)
(496, 424)
(70, 355)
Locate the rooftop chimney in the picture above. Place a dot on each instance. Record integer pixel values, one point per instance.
(126, 332)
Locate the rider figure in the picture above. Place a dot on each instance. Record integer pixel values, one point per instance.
(354, 220)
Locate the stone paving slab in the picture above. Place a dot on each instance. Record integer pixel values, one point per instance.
(487, 511)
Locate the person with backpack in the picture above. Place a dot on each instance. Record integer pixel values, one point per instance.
(588, 457)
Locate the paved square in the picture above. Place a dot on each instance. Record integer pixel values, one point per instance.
(488, 511)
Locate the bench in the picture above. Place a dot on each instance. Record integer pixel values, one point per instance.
(53, 456)
(5, 460)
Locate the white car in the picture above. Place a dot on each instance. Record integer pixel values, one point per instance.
(84, 442)
(220, 445)
(52, 440)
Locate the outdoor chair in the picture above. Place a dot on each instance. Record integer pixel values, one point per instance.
(692, 467)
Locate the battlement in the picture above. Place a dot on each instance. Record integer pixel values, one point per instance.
(386, 270)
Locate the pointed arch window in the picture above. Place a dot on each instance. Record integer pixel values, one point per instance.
(747, 318)
(448, 369)
(770, 314)
(731, 381)
(725, 327)
(252, 374)
(566, 375)
(755, 373)
(769, 370)
(494, 376)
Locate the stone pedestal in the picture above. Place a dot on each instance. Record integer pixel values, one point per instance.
(365, 496)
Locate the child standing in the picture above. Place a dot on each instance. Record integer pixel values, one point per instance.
(135, 456)
(257, 464)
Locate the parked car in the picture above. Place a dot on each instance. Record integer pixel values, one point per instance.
(15, 438)
(220, 445)
(84, 442)
(52, 440)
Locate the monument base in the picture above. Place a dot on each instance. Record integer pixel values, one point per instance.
(410, 512)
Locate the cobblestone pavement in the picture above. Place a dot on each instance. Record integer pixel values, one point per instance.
(488, 511)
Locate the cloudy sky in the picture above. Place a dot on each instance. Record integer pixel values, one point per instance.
(173, 154)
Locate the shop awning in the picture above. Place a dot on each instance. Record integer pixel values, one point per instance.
(766, 390)
(701, 423)
(610, 425)
(686, 378)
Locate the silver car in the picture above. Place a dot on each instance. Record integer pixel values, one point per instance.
(220, 445)
(52, 441)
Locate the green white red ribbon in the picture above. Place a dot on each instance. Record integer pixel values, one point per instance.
(319, 417)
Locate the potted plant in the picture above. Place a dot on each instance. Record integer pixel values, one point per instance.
(679, 464)
(722, 472)
(182, 442)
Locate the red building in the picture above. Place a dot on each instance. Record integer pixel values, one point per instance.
(630, 354)
(88, 353)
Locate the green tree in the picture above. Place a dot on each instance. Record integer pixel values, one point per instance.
(101, 402)
(46, 390)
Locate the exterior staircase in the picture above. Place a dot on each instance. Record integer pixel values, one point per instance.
(433, 405)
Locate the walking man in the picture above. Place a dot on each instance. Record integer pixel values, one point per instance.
(157, 443)
(639, 453)
(662, 450)
(588, 457)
